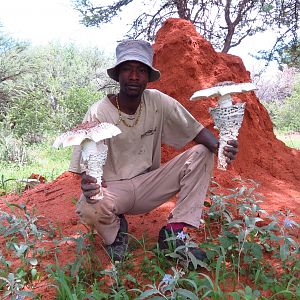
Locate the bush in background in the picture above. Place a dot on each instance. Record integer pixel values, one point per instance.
(286, 114)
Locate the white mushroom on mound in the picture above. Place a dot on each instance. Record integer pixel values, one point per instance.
(228, 117)
(90, 136)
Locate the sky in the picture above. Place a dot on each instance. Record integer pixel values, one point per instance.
(42, 21)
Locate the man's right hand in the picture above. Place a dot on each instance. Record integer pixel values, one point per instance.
(90, 187)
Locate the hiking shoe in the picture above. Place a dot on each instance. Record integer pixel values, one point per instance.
(176, 242)
(118, 248)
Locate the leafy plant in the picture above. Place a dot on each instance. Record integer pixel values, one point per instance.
(242, 241)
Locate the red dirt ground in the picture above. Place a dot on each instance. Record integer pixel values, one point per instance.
(187, 63)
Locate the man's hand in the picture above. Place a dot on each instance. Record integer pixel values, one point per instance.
(231, 150)
(90, 187)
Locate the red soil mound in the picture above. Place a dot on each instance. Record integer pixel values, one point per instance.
(189, 63)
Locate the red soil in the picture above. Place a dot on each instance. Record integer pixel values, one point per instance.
(188, 63)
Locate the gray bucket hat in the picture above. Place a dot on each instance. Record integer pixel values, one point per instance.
(136, 50)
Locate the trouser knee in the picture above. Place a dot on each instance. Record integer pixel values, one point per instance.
(203, 153)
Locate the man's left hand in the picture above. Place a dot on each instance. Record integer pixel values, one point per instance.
(230, 150)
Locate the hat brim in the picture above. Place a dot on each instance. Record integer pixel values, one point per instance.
(113, 74)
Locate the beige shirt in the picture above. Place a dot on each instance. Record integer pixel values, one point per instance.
(137, 149)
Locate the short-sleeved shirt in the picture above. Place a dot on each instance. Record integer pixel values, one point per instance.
(137, 150)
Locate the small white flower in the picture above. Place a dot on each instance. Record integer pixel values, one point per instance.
(182, 235)
(288, 223)
(167, 279)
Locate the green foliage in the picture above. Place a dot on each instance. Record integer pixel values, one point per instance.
(14, 64)
(286, 114)
(22, 236)
(30, 117)
(12, 149)
(41, 159)
(240, 238)
(291, 55)
(57, 86)
(74, 106)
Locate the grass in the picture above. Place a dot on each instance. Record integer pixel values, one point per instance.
(43, 160)
(251, 254)
(290, 139)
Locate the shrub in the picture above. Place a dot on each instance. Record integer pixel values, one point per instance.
(286, 114)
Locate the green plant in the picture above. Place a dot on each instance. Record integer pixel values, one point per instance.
(13, 288)
(285, 114)
(42, 159)
(243, 241)
(21, 234)
(182, 252)
(169, 288)
(12, 149)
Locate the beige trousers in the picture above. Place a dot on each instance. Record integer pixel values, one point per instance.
(188, 174)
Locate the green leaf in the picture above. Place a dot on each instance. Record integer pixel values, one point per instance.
(257, 251)
(20, 249)
(284, 251)
(235, 295)
(298, 291)
(173, 255)
(187, 294)
(33, 273)
(190, 282)
(248, 290)
(248, 259)
(33, 261)
(226, 242)
(148, 293)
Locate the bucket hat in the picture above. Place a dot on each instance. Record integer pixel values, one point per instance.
(136, 50)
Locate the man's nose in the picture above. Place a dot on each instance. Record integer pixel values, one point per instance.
(134, 75)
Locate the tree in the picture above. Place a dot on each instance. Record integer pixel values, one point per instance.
(225, 23)
(278, 87)
(286, 114)
(291, 56)
(14, 64)
(57, 95)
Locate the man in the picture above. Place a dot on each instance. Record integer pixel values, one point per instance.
(135, 182)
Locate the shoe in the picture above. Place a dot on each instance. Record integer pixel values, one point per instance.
(118, 248)
(175, 241)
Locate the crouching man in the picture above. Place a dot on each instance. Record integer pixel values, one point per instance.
(134, 180)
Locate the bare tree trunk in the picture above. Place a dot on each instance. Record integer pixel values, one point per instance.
(231, 25)
(182, 9)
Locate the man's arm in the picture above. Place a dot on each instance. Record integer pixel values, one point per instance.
(206, 138)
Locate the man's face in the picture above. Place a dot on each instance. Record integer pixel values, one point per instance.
(133, 78)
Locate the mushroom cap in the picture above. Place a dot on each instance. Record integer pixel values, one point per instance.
(90, 130)
(222, 89)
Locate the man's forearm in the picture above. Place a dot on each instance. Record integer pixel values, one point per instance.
(206, 138)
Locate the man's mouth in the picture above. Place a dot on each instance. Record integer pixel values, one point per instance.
(133, 87)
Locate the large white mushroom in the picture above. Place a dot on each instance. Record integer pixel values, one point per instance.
(228, 117)
(90, 137)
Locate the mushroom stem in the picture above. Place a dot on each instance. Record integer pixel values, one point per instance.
(225, 101)
(94, 156)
